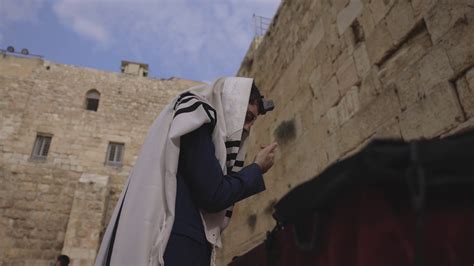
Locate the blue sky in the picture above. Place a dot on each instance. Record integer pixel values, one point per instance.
(191, 39)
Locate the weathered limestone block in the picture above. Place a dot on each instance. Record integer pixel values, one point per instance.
(379, 43)
(361, 60)
(334, 42)
(330, 92)
(391, 130)
(409, 87)
(400, 20)
(350, 41)
(347, 15)
(328, 68)
(379, 9)
(349, 105)
(407, 54)
(82, 235)
(366, 20)
(345, 109)
(339, 4)
(443, 16)
(458, 43)
(370, 88)
(317, 34)
(365, 122)
(347, 75)
(437, 113)
(434, 68)
(421, 7)
(304, 117)
(315, 80)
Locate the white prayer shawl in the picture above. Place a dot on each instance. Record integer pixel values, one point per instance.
(141, 223)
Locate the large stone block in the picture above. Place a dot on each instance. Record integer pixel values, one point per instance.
(408, 87)
(458, 43)
(379, 43)
(347, 75)
(339, 4)
(347, 15)
(421, 7)
(391, 130)
(349, 41)
(315, 80)
(89, 201)
(438, 113)
(370, 88)
(334, 42)
(367, 22)
(348, 106)
(379, 9)
(406, 55)
(443, 15)
(317, 34)
(330, 92)
(400, 20)
(332, 118)
(434, 67)
(361, 60)
(365, 123)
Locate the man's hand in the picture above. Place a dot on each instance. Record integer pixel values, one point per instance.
(265, 157)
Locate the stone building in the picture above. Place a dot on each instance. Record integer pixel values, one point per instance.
(68, 139)
(343, 72)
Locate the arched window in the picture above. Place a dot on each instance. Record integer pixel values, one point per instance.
(92, 100)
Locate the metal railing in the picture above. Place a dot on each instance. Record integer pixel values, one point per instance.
(261, 24)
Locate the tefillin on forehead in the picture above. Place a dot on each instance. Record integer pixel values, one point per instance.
(264, 106)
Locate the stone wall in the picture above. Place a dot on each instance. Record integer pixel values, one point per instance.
(60, 204)
(343, 72)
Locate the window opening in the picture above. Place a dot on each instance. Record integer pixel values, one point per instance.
(92, 100)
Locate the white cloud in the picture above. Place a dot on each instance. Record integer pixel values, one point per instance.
(92, 30)
(19, 10)
(12, 11)
(85, 18)
(183, 34)
(186, 38)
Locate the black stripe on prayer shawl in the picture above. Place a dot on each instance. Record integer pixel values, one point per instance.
(233, 143)
(208, 110)
(231, 156)
(194, 106)
(184, 95)
(239, 163)
(188, 109)
(187, 99)
(211, 113)
(188, 96)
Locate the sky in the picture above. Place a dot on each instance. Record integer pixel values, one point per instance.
(192, 39)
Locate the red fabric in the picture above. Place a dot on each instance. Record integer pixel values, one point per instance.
(366, 230)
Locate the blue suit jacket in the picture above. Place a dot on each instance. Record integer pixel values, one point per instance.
(202, 184)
